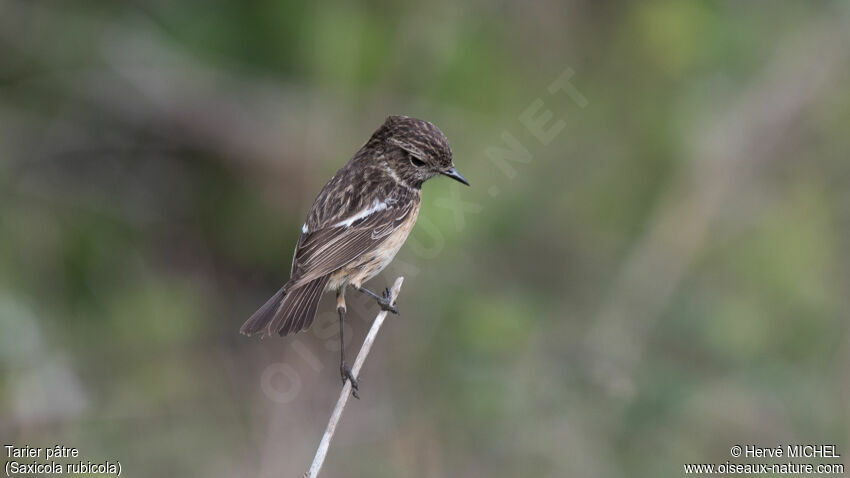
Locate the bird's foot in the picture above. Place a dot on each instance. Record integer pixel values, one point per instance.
(346, 374)
(385, 302)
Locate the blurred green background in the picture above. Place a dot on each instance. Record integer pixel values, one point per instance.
(665, 278)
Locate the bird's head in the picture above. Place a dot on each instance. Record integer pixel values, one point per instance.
(415, 150)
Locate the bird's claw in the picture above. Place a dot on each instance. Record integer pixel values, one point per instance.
(385, 302)
(346, 374)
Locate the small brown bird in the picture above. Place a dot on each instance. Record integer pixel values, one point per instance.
(356, 226)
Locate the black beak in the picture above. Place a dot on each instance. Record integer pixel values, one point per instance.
(452, 173)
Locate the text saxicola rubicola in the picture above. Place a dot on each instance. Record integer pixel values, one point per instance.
(356, 226)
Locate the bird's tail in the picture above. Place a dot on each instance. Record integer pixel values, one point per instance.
(288, 311)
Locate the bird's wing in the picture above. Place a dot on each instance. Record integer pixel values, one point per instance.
(330, 248)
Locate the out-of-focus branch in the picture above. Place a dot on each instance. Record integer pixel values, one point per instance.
(242, 116)
(239, 116)
(322, 451)
(740, 141)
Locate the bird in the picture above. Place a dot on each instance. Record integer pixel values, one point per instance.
(356, 225)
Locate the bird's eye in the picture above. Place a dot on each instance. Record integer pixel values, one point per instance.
(416, 161)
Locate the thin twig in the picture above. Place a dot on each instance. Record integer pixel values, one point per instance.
(322, 451)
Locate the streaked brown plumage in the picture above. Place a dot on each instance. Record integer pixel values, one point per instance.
(358, 222)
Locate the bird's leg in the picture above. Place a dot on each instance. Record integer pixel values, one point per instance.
(344, 370)
(383, 299)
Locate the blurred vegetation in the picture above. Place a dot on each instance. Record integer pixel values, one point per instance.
(666, 278)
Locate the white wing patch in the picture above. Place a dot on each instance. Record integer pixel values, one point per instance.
(375, 207)
(304, 229)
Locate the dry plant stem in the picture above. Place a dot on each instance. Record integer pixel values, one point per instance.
(322, 451)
